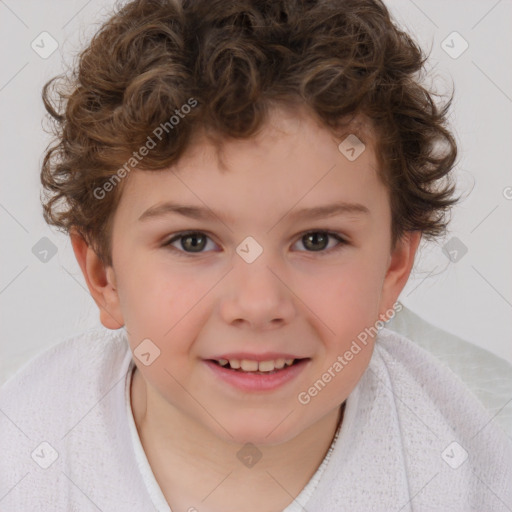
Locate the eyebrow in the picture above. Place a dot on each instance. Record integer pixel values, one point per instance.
(203, 213)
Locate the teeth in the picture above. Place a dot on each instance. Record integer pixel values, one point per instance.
(247, 365)
(279, 363)
(265, 366)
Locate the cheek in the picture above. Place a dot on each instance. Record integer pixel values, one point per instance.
(346, 297)
(157, 291)
(165, 305)
(348, 307)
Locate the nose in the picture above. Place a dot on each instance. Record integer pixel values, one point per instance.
(257, 296)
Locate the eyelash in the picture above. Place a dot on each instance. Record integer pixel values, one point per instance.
(184, 234)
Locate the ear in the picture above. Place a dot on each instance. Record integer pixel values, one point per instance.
(400, 264)
(100, 281)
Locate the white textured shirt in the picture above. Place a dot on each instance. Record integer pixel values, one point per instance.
(413, 437)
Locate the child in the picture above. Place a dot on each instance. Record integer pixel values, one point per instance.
(250, 370)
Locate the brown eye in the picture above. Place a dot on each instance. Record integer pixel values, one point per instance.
(318, 241)
(192, 242)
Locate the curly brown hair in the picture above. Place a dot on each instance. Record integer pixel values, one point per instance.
(236, 60)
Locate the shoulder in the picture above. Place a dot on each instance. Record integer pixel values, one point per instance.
(77, 369)
(74, 362)
(46, 393)
(435, 371)
(58, 407)
(51, 383)
(425, 378)
(441, 418)
(414, 434)
(488, 376)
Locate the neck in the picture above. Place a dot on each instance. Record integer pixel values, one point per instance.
(189, 461)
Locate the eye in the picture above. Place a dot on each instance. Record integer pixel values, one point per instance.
(194, 242)
(318, 241)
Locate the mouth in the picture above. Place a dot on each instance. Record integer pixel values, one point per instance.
(257, 376)
(256, 367)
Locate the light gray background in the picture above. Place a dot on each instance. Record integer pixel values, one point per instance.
(41, 304)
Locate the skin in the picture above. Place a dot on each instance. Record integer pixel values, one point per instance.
(290, 299)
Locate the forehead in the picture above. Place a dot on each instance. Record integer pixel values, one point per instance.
(285, 126)
(292, 159)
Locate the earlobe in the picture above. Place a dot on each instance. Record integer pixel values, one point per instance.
(400, 265)
(100, 280)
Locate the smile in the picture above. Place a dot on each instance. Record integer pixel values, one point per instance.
(256, 376)
(246, 365)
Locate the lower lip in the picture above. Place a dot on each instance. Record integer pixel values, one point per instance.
(255, 381)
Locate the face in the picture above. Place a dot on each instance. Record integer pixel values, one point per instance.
(260, 277)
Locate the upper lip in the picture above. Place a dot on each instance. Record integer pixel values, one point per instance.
(266, 356)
